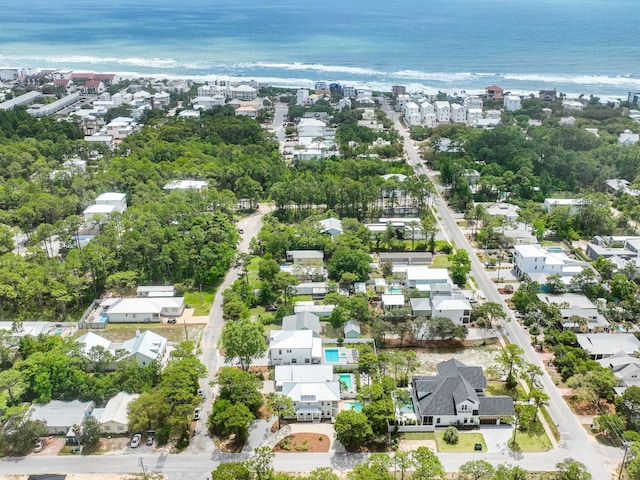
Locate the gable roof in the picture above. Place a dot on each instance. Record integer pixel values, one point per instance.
(303, 373)
(499, 406)
(148, 343)
(351, 326)
(291, 339)
(116, 409)
(90, 340)
(301, 321)
(312, 392)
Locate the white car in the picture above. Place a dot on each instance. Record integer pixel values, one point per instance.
(39, 445)
(135, 441)
(196, 413)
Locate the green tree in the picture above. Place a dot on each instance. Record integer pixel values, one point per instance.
(451, 435)
(13, 382)
(460, 266)
(427, 465)
(242, 341)
(232, 471)
(239, 386)
(609, 424)
(375, 468)
(477, 470)
(352, 428)
(230, 419)
(89, 433)
(321, 473)
(403, 461)
(346, 260)
(570, 469)
(510, 361)
(261, 463)
(19, 432)
(281, 405)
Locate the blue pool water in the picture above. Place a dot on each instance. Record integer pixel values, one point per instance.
(331, 355)
(103, 318)
(555, 249)
(395, 291)
(406, 407)
(355, 406)
(346, 379)
(58, 331)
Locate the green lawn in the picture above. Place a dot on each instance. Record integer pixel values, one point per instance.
(498, 388)
(253, 270)
(535, 440)
(466, 443)
(201, 302)
(440, 261)
(551, 423)
(418, 436)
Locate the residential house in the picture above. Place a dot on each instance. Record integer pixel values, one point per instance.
(445, 300)
(600, 346)
(572, 105)
(291, 347)
(302, 321)
(351, 329)
(117, 200)
(548, 96)
(411, 113)
(161, 100)
(23, 329)
(61, 416)
(494, 91)
(302, 95)
(458, 113)
(206, 103)
(625, 367)
(156, 291)
(313, 401)
(114, 418)
(628, 138)
(473, 102)
(456, 396)
(302, 374)
(508, 211)
(417, 276)
(392, 301)
(574, 307)
(538, 263)
(244, 93)
(405, 258)
(247, 111)
(618, 186)
(90, 213)
(512, 103)
(318, 290)
(146, 347)
(91, 340)
(141, 310)
(518, 233)
(320, 310)
(305, 256)
(443, 111)
(332, 226)
(197, 185)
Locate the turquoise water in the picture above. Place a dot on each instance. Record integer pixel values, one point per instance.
(395, 291)
(58, 331)
(331, 355)
(406, 407)
(586, 46)
(103, 318)
(346, 379)
(555, 249)
(355, 406)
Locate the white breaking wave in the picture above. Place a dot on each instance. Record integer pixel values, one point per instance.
(621, 81)
(313, 67)
(435, 76)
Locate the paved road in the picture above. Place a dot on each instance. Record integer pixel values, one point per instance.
(575, 442)
(210, 356)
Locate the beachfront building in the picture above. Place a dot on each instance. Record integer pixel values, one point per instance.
(494, 92)
(473, 102)
(245, 93)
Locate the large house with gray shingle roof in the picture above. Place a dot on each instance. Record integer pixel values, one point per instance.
(455, 396)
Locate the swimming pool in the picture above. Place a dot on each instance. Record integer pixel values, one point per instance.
(58, 331)
(331, 355)
(406, 407)
(395, 291)
(346, 379)
(103, 318)
(355, 406)
(555, 249)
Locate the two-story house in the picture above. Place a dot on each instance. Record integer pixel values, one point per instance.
(291, 347)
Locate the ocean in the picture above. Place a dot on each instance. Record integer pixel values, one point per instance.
(577, 46)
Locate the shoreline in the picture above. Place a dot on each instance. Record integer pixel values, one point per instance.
(453, 86)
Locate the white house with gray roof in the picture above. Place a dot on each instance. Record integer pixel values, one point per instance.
(294, 347)
(606, 345)
(302, 374)
(302, 321)
(61, 416)
(313, 401)
(141, 310)
(456, 396)
(114, 418)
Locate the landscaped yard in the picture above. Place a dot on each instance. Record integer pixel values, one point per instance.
(200, 301)
(535, 440)
(303, 442)
(418, 436)
(466, 442)
(440, 261)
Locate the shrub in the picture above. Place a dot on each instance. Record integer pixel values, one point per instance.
(451, 435)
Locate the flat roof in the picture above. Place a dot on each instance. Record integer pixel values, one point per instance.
(25, 99)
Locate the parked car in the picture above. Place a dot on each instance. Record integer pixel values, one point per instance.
(135, 441)
(171, 320)
(77, 450)
(196, 413)
(271, 308)
(39, 446)
(240, 231)
(150, 440)
(201, 393)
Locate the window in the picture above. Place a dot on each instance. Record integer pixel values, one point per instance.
(280, 352)
(294, 360)
(438, 420)
(306, 360)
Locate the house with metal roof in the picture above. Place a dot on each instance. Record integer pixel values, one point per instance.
(351, 329)
(294, 347)
(456, 396)
(141, 310)
(302, 374)
(313, 401)
(332, 226)
(61, 416)
(146, 347)
(606, 345)
(302, 321)
(114, 416)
